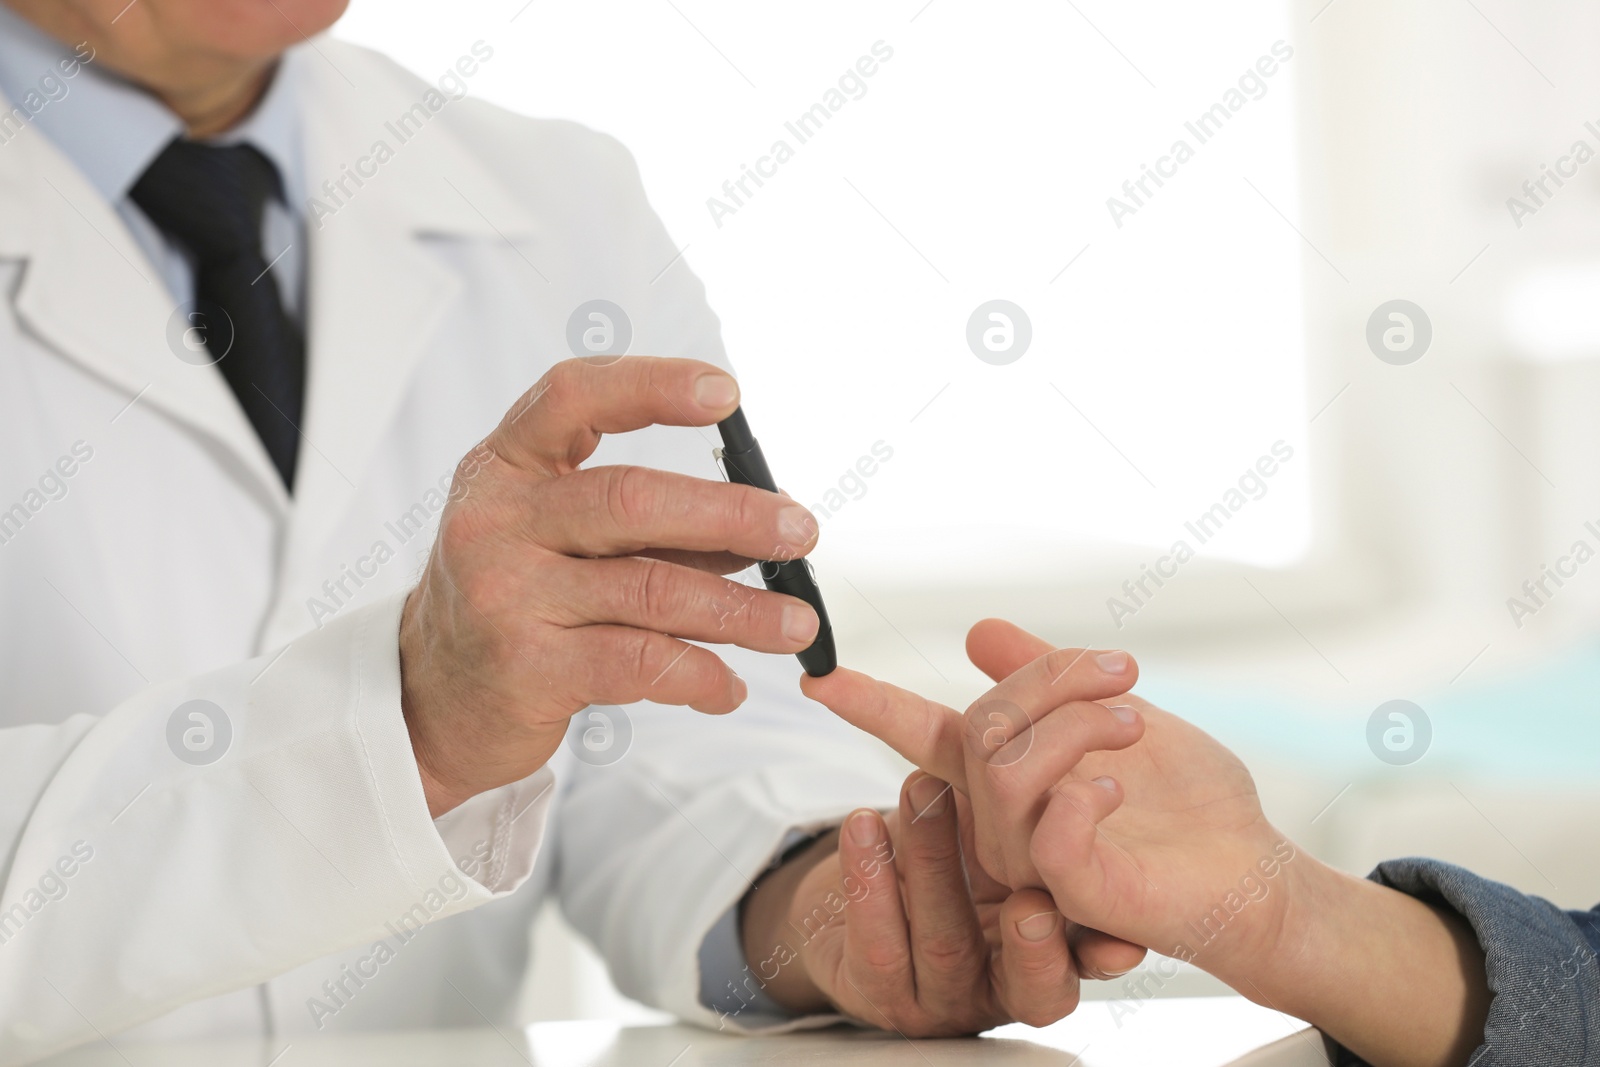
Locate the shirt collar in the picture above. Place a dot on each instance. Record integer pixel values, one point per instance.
(112, 130)
(274, 128)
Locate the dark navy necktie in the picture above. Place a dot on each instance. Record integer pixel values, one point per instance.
(209, 199)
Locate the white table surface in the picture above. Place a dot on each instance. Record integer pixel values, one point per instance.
(1174, 1032)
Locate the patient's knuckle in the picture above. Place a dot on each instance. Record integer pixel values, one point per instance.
(1007, 786)
(992, 858)
(1047, 855)
(972, 731)
(1083, 720)
(941, 730)
(1061, 660)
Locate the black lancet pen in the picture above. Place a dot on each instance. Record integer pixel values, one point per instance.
(743, 462)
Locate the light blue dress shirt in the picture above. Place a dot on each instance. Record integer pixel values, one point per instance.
(112, 130)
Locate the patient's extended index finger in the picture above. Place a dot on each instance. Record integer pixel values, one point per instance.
(923, 731)
(558, 423)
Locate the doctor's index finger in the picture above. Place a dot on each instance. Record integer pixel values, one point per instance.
(558, 423)
(923, 731)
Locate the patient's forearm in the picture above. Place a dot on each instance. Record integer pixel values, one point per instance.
(1397, 981)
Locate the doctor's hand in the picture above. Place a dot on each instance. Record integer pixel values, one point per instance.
(550, 588)
(888, 922)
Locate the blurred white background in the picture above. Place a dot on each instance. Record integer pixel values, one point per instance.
(1228, 313)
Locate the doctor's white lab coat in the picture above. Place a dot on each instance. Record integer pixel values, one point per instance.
(149, 557)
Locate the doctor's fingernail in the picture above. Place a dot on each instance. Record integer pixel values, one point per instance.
(930, 797)
(1125, 712)
(864, 828)
(1107, 783)
(740, 690)
(799, 622)
(797, 525)
(1112, 662)
(1037, 927)
(716, 391)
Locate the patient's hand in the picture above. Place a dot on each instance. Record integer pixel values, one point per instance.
(1151, 831)
(1139, 824)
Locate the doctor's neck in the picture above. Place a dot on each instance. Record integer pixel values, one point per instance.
(216, 106)
(208, 61)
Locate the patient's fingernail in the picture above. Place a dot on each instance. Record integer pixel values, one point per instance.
(1107, 783)
(864, 828)
(740, 690)
(1125, 712)
(1037, 927)
(715, 391)
(929, 797)
(1112, 662)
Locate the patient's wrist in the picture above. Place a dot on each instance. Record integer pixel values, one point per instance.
(1393, 978)
(1313, 945)
(1243, 926)
(1257, 936)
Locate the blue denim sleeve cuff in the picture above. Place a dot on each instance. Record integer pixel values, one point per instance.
(1540, 960)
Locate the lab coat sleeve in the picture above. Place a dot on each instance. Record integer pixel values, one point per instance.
(655, 847)
(145, 868)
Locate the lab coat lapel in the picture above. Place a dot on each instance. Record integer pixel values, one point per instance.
(88, 293)
(378, 295)
(375, 303)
